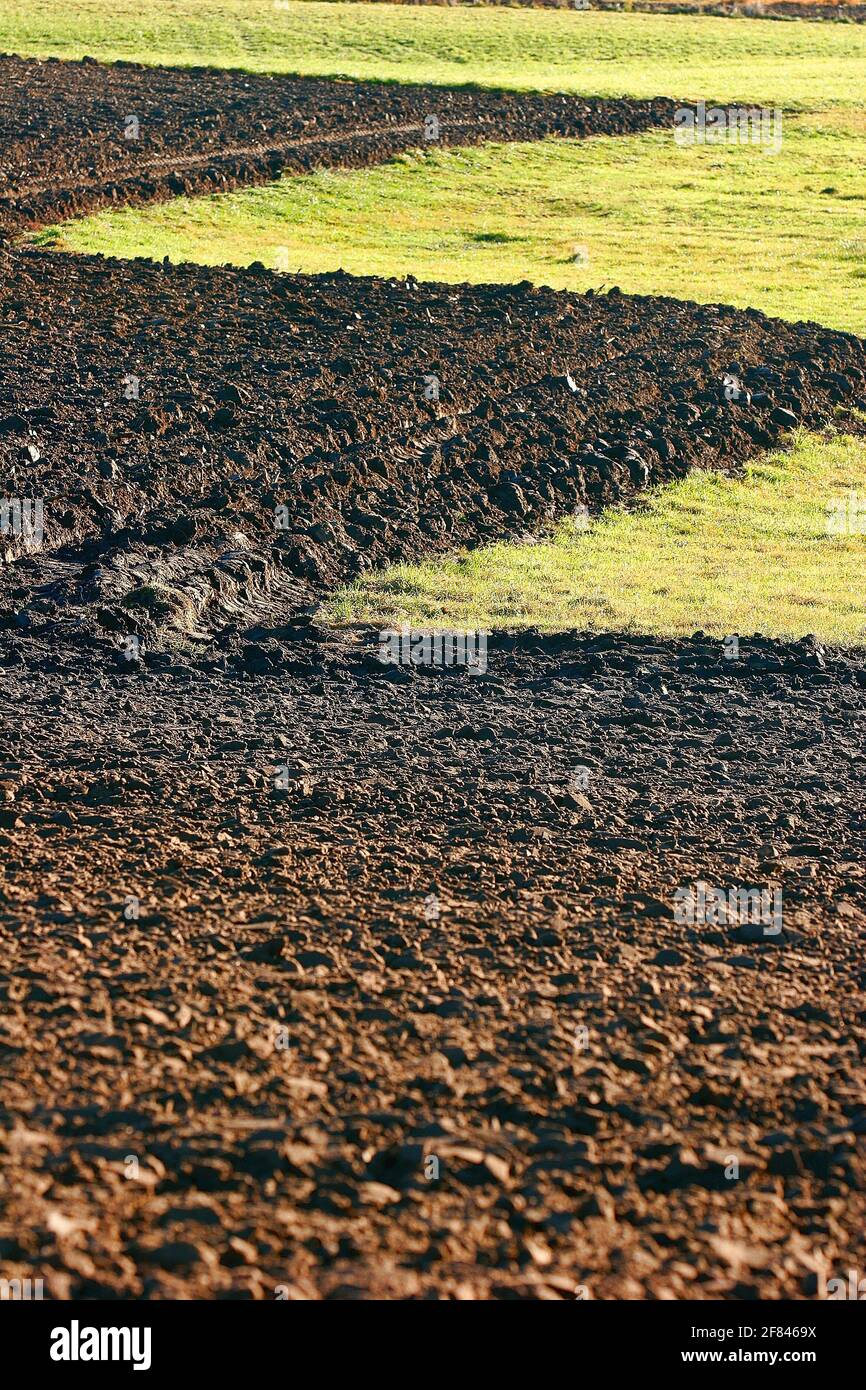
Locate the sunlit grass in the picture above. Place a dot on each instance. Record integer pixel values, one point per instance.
(784, 233)
(710, 552)
(796, 64)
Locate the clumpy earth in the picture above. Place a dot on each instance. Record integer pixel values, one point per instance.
(323, 978)
(270, 944)
(215, 448)
(95, 134)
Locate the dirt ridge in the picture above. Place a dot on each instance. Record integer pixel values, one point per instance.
(202, 130)
(289, 431)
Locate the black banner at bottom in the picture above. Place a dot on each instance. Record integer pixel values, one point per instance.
(85, 1340)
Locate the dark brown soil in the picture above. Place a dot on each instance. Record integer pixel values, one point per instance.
(203, 131)
(162, 1136)
(321, 978)
(282, 440)
(431, 915)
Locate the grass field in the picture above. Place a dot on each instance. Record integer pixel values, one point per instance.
(710, 552)
(803, 65)
(784, 233)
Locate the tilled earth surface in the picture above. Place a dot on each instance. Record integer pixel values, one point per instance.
(283, 439)
(296, 970)
(322, 978)
(75, 136)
